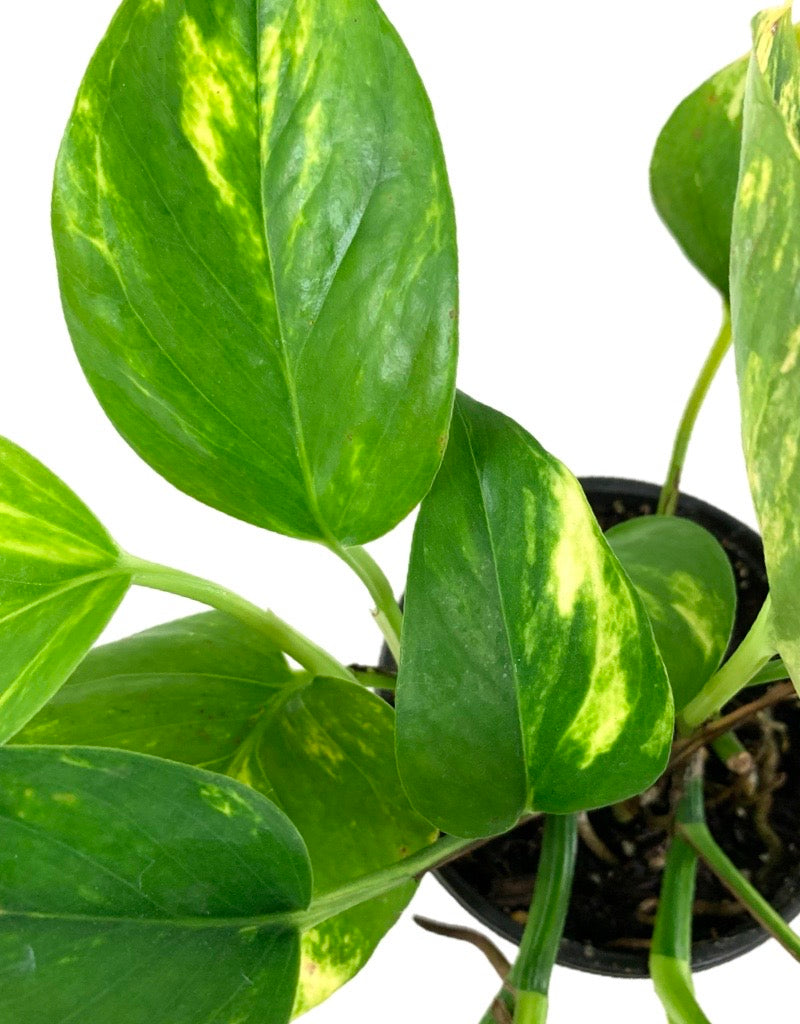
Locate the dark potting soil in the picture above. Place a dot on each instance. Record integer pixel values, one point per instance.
(621, 853)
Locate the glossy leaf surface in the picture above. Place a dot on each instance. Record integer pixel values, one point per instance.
(686, 582)
(765, 307)
(529, 677)
(140, 891)
(256, 251)
(208, 692)
(59, 584)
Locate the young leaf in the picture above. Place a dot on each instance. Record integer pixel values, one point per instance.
(60, 583)
(765, 307)
(206, 691)
(140, 891)
(694, 170)
(256, 252)
(686, 582)
(529, 676)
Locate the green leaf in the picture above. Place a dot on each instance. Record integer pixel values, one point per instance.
(327, 758)
(686, 582)
(765, 308)
(256, 251)
(695, 167)
(140, 891)
(190, 691)
(529, 677)
(60, 583)
(207, 691)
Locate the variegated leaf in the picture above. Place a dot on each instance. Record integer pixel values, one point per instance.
(60, 583)
(256, 252)
(686, 582)
(529, 676)
(327, 758)
(139, 891)
(765, 306)
(209, 692)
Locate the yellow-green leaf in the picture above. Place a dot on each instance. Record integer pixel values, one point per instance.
(60, 583)
(765, 307)
(256, 251)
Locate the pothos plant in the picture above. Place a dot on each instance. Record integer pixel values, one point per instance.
(215, 820)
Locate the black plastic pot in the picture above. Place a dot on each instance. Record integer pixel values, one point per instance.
(613, 501)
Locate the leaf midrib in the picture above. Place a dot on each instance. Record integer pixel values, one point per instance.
(500, 598)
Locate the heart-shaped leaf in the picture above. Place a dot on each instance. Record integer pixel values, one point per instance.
(765, 308)
(140, 891)
(694, 170)
(207, 691)
(686, 582)
(529, 676)
(256, 252)
(60, 583)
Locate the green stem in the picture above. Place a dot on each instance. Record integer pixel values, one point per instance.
(702, 842)
(671, 950)
(668, 501)
(529, 977)
(387, 611)
(379, 882)
(285, 637)
(735, 756)
(751, 655)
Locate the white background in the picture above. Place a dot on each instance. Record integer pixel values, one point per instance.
(579, 318)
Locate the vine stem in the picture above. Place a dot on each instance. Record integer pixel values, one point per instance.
(668, 500)
(698, 836)
(368, 887)
(751, 655)
(670, 961)
(173, 581)
(529, 978)
(387, 610)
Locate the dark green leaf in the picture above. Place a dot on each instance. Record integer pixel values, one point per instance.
(140, 891)
(256, 250)
(207, 691)
(765, 307)
(686, 582)
(60, 583)
(529, 677)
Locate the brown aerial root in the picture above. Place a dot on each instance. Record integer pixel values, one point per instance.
(477, 939)
(683, 749)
